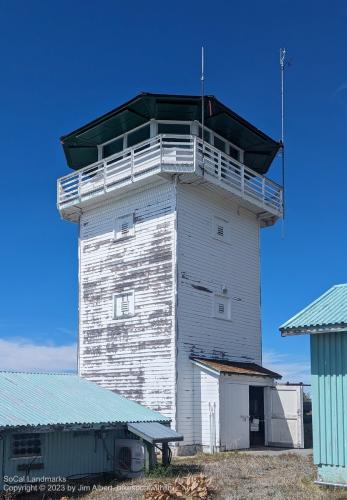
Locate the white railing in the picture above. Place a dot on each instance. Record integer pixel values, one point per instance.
(174, 153)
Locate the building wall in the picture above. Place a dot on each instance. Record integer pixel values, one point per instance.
(134, 356)
(64, 454)
(329, 402)
(205, 266)
(205, 415)
(145, 356)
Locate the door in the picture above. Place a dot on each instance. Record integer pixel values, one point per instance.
(234, 430)
(284, 416)
(256, 416)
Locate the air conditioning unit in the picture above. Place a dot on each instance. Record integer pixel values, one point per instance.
(129, 457)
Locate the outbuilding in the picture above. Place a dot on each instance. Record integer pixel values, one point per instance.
(60, 427)
(325, 320)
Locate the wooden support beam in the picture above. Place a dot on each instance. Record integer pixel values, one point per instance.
(149, 456)
(165, 454)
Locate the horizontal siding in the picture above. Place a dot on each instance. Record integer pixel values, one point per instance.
(329, 398)
(210, 264)
(205, 401)
(134, 357)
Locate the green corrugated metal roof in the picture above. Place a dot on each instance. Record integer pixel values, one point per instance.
(328, 310)
(153, 432)
(40, 399)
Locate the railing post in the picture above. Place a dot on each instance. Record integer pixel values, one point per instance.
(263, 189)
(194, 153)
(220, 166)
(79, 186)
(161, 150)
(104, 175)
(243, 179)
(132, 165)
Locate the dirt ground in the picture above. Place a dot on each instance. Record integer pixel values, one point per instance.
(235, 476)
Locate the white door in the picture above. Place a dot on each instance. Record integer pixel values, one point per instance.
(284, 425)
(234, 425)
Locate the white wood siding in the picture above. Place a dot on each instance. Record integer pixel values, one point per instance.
(205, 266)
(205, 401)
(133, 356)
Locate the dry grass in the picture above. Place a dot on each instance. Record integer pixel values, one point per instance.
(237, 476)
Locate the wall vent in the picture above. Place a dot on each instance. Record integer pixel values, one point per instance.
(123, 305)
(221, 307)
(124, 227)
(220, 229)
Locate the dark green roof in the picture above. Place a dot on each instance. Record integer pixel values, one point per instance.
(80, 146)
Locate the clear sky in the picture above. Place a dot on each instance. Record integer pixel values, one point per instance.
(64, 63)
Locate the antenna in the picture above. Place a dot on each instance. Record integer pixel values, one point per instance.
(282, 66)
(203, 107)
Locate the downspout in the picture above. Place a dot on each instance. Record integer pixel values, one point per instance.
(79, 330)
(260, 296)
(176, 299)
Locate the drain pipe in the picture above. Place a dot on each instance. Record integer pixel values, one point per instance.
(332, 485)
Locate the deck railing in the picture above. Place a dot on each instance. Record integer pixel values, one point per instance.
(163, 153)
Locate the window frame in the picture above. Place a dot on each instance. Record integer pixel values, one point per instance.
(195, 129)
(29, 435)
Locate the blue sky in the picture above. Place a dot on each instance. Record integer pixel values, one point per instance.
(64, 63)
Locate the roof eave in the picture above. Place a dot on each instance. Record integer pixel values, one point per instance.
(313, 330)
(216, 371)
(70, 427)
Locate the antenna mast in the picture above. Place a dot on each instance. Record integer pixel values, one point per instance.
(282, 66)
(203, 107)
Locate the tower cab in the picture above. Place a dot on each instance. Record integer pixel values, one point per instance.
(161, 135)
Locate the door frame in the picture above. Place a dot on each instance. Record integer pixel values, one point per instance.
(248, 381)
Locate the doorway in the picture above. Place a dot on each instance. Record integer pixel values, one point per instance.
(256, 416)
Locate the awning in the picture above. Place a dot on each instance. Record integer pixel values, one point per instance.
(234, 367)
(153, 432)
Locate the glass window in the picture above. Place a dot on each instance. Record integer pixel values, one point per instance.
(173, 128)
(207, 135)
(142, 134)
(219, 144)
(234, 153)
(112, 148)
(26, 445)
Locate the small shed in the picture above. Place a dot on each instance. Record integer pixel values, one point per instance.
(59, 427)
(325, 320)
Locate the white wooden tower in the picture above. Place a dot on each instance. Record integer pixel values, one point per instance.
(169, 290)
